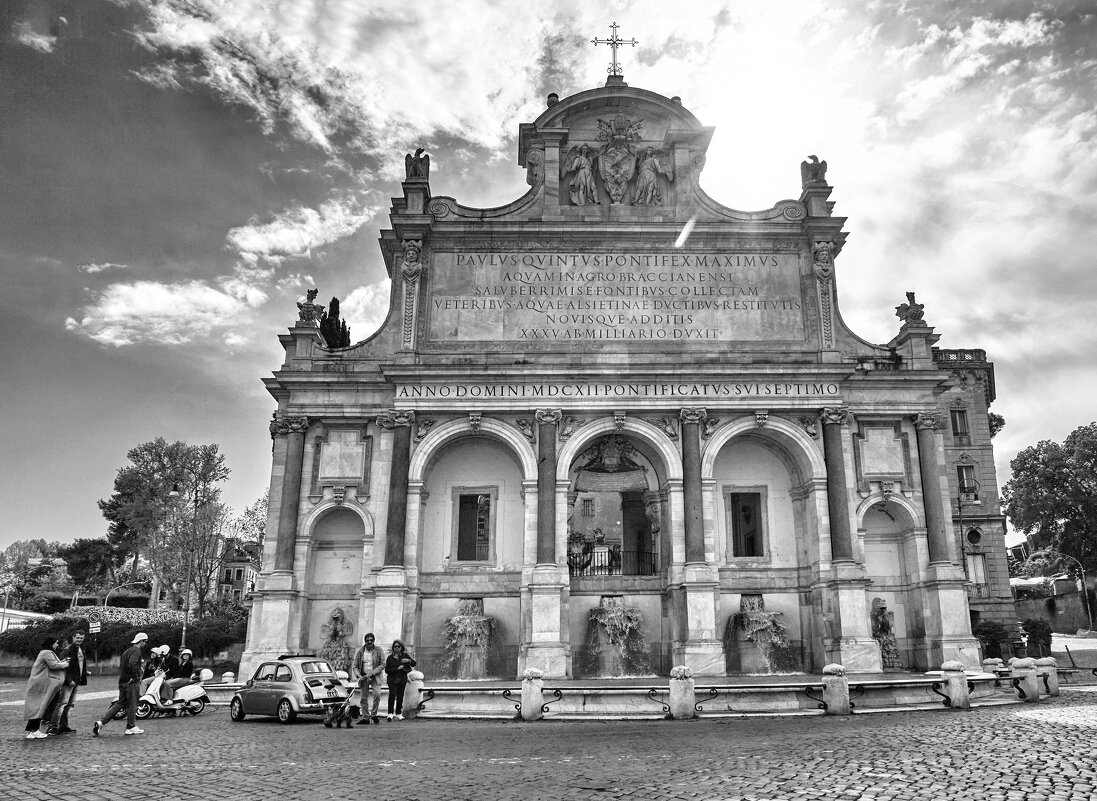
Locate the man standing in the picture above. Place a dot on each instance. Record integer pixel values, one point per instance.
(129, 683)
(76, 676)
(369, 664)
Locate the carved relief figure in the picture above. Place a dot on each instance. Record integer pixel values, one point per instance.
(580, 160)
(823, 259)
(648, 164)
(335, 648)
(309, 312)
(417, 166)
(813, 172)
(617, 161)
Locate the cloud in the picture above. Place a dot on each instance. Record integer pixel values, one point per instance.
(24, 34)
(366, 308)
(153, 312)
(92, 269)
(296, 231)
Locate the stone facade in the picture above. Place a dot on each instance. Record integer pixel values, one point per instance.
(616, 386)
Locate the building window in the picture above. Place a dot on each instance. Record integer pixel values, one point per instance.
(588, 507)
(239, 574)
(744, 510)
(236, 595)
(228, 574)
(475, 524)
(965, 475)
(961, 435)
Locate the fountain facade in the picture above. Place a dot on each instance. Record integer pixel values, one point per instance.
(467, 639)
(615, 644)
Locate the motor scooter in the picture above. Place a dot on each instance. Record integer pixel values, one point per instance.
(190, 699)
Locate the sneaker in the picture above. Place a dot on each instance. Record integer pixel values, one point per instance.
(32, 735)
(52, 731)
(376, 720)
(135, 730)
(96, 728)
(389, 718)
(399, 717)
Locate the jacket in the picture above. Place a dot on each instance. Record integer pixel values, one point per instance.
(132, 659)
(373, 670)
(182, 670)
(397, 670)
(75, 673)
(46, 675)
(170, 665)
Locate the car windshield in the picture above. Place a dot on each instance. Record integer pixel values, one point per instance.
(316, 667)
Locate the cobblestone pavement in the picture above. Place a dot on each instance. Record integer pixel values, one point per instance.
(1005, 753)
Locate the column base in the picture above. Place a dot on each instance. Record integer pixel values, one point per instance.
(551, 658)
(706, 657)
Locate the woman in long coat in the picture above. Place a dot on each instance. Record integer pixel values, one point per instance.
(46, 677)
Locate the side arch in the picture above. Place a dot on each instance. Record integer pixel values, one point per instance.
(456, 429)
(802, 448)
(878, 499)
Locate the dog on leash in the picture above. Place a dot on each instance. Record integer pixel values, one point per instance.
(341, 714)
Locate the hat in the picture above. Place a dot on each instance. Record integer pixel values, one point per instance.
(139, 637)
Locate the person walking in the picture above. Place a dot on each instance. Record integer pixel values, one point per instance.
(369, 664)
(47, 674)
(76, 676)
(397, 667)
(129, 684)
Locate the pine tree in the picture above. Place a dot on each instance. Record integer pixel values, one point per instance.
(334, 331)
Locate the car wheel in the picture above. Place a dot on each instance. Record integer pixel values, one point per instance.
(144, 710)
(196, 706)
(236, 710)
(286, 712)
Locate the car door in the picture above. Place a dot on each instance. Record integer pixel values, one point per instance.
(258, 699)
(282, 685)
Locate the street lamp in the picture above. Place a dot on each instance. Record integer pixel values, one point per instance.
(190, 556)
(1085, 590)
(120, 586)
(968, 487)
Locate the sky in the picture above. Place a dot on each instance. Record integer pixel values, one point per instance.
(176, 173)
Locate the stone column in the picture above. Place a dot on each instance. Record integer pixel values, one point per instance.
(547, 421)
(398, 421)
(692, 485)
(293, 429)
(927, 425)
(841, 541)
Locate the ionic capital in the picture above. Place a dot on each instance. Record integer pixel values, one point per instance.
(835, 416)
(396, 418)
(692, 415)
(548, 416)
(283, 425)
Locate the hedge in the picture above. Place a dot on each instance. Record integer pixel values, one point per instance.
(205, 637)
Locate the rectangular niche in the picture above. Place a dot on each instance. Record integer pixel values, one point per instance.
(881, 452)
(341, 458)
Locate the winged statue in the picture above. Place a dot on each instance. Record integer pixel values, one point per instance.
(417, 166)
(580, 160)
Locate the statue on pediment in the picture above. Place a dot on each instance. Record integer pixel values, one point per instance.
(417, 166)
(813, 172)
(309, 312)
(617, 161)
(580, 160)
(911, 313)
(650, 163)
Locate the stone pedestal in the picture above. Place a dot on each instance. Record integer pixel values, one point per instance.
(413, 694)
(1024, 679)
(851, 644)
(274, 614)
(956, 685)
(533, 690)
(948, 628)
(836, 690)
(1048, 672)
(701, 650)
(546, 650)
(683, 699)
(389, 593)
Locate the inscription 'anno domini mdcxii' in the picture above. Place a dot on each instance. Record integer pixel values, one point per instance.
(615, 296)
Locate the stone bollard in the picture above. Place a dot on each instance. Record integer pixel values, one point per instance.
(413, 694)
(836, 690)
(228, 677)
(1048, 672)
(533, 688)
(683, 698)
(956, 685)
(1024, 679)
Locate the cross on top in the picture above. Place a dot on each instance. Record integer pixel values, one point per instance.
(614, 41)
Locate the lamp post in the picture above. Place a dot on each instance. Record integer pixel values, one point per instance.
(1085, 590)
(969, 487)
(115, 589)
(190, 556)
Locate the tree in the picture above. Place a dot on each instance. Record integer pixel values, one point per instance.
(92, 563)
(997, 423)
(332, 329)
(251, 525)
(1052, 496)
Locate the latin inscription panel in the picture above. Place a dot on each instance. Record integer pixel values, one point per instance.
(613, 298)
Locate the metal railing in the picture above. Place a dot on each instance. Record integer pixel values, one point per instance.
(612, 562)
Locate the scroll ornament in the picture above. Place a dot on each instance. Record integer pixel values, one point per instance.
(396, 418)
(548, 416)
(283, 426)
(835, 416)
(692, 416)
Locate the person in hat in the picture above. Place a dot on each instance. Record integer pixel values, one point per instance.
(129, 684)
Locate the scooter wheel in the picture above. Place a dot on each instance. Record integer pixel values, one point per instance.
(144, 710)
(196, 706)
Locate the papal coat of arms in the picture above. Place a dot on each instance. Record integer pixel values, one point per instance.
(617, 161)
